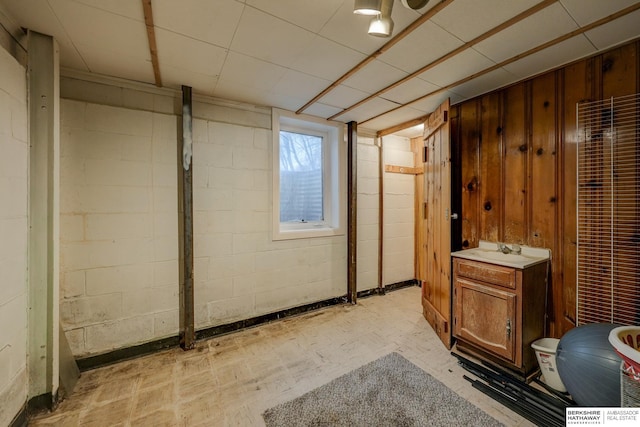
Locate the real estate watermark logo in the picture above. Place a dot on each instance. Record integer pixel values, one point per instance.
(618, 417)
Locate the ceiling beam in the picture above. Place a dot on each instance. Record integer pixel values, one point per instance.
(537, 49)
(527, 13)
(402, 126)
(388, 45)
(151, 36)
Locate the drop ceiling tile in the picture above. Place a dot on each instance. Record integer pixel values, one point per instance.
(409, 91)
(392, 119)
(552, 57)
(210, 21)
(234, 91)
(268, 38)
(429, 103)
(302, 86)
(375, 107)
(588, 11)
(285, 102)
(548, 24)
(312, 16)
(37, 15)
(322, 110)
(460, 66)
(421, 47)
(343, 97)
(467, 19)
(189, 54)
(615, 32)
(326, 59)
(485, 83)
(103, 32)
(374, 76)
(128, 8)
(176, 77)
(250, 72)
(135, 68)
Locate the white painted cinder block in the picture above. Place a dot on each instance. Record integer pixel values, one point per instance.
(166, 323)
(109, 335)
(14, 163)
(119, 250)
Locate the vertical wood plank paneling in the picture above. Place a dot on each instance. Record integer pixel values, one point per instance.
(490, 168)
(456, 178)
(619, 78)
(470, 173)
(436, 289)
(619, 71)
(516, 151)
(540, 113)
(542, 160)
(420, 250)
(577, 86)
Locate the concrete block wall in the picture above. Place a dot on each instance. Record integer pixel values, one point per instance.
(14, 162)
(119, 241)
(399, 189)
(119, 221)
(240, 272)
(368, 214)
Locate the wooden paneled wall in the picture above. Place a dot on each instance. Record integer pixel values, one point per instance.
(517, 157)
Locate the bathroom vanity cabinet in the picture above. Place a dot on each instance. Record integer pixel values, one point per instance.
(499, 310)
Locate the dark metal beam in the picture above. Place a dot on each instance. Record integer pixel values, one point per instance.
(187, 329)
(352, 199)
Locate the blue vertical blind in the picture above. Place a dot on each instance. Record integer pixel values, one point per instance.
(301, 177)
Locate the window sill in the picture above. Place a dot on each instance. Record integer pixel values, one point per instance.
(306, 233)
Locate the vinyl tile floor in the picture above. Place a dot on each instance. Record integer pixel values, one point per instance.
(231, 380)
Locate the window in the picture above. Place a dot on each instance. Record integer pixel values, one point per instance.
(308, 177)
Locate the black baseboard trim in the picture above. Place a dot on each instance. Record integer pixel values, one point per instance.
(21, 419)
(43, 403)
(109, 358)
(115, 356)
(400, 285)
(387, 288)
(254, 321)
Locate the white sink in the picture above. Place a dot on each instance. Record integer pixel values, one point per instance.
(488, 252)
(499, 256)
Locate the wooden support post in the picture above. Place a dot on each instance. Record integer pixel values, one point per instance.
(187, 329)
(352, 196)
(381, 170)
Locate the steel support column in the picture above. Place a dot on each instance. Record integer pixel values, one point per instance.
(187, 328)
(352, 212)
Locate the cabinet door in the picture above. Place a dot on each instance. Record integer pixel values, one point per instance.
(485, 317)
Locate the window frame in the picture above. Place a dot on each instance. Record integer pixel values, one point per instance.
(333, 175)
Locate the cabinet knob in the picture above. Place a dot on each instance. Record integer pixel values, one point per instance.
(508, 329)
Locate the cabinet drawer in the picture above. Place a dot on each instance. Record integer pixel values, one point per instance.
(489, 273)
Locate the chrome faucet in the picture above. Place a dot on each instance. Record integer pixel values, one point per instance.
(514, 249)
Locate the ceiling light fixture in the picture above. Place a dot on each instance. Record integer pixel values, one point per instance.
(382, 25)
(367, 7)
(414, 4)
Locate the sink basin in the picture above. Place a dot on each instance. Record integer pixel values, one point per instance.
(495, 255)
(488, 252)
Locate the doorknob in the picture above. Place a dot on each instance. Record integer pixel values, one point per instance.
(454, 216)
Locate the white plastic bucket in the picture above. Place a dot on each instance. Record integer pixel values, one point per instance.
(546, 354)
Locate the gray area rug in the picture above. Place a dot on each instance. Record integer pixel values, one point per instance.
(390, 391)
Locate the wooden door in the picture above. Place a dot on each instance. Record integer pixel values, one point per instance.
(436, 288)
